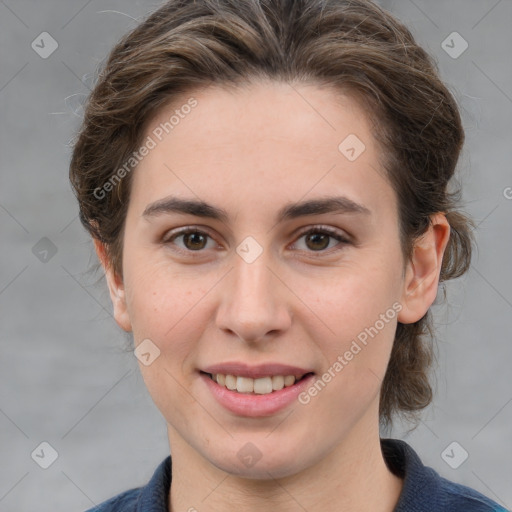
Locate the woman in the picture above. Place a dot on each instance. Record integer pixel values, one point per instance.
(266, 184)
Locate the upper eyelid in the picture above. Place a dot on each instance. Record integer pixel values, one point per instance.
(320, 227)
(172, 233)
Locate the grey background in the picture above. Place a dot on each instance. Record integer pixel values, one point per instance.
(65, 377)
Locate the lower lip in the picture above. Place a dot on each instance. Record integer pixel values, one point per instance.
(245, 404)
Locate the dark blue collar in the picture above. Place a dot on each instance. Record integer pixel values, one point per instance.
(423, 489)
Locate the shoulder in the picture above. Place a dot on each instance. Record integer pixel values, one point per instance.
(125, 502)
(461, 498)
(152, 496)
(424, 490)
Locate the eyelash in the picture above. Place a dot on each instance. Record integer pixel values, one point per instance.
(325, 230)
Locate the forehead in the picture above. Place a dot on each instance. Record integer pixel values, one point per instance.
(259, 146)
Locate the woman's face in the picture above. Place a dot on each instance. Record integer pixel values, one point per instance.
(268, 279)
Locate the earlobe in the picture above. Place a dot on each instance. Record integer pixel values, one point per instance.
(116, 288)
(423, 270)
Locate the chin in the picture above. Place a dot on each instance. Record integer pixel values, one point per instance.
(269, 461)
(261, 470)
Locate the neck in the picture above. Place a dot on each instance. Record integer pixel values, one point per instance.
(352, 477)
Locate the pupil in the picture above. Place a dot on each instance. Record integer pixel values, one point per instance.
(192, 236)
(315, 237)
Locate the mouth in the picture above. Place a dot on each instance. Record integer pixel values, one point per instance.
(258, 390)
(259, 386)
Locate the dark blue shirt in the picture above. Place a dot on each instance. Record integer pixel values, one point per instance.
(423, 489)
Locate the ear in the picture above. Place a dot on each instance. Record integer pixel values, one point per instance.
(423, 270)
(116, 288)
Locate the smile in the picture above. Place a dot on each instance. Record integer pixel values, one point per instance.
(248, 385)
(255, 397)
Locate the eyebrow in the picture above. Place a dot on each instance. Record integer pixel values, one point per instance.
(336, 205)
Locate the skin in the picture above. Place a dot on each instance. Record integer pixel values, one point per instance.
(250, 152)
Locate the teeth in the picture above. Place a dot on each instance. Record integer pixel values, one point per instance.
(278, 382)
(289, 380)
(244, 385)
(231, 382)
(261, 386)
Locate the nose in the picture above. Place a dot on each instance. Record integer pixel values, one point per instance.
(254, 303)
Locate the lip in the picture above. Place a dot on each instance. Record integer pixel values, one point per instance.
(257, 371)
(252, 405)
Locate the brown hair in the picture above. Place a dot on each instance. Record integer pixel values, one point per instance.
(351, 45)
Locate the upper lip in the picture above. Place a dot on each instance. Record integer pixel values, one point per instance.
(256, 371)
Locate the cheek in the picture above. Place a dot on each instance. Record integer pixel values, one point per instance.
(168, 310)
(355, 358)
(167, 307)
(359, 311)
(355, 298)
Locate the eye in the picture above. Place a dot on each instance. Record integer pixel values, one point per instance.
(193, 239)
(319, 238)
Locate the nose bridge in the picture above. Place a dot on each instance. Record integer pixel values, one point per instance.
(251, 305)
(252, 281)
